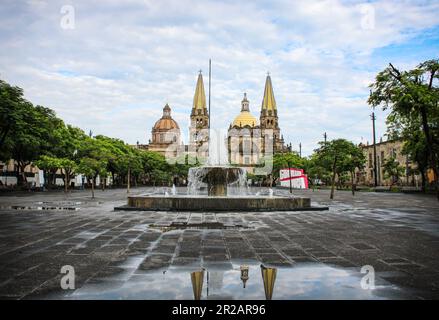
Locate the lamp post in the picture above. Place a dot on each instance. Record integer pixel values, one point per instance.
(373, 117)
(289, 174)
(5, 170)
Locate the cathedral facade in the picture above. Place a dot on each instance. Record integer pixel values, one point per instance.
(248, 139)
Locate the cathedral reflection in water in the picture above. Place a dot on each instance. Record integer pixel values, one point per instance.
(214, 281)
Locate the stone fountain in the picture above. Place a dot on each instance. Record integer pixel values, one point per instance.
(219, 178)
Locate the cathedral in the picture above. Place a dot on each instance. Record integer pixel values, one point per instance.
(248, 140)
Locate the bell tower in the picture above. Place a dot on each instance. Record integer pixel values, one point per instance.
(268, 118)
(199, 128)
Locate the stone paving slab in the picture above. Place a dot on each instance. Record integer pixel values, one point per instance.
(397, 234)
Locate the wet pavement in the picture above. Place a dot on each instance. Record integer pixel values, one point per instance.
(151, 255)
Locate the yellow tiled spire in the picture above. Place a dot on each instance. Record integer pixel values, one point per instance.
(268, 102)
(200, 96)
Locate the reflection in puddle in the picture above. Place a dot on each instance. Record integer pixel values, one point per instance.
(253, 281)
(38, 208)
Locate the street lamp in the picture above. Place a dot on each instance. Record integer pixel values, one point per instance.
(5, 170)
(289, 173)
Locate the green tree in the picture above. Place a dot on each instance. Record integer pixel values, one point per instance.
(13, 109)
(409, 130)
(353, 160)
(413, 94)
(153, 164)
(91, 168)
(316, 171)
(66, 166)
(339, 156)
(392, 170)
(32, 136)
(94, 156)
(286, 160)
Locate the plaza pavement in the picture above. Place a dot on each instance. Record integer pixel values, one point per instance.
(397, 234)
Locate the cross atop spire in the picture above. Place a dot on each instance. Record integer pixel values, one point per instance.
(199, 71)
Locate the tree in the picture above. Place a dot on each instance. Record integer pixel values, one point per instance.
(316, 171)
(91, 168)
(52, 164)
(32, 136)
(49, 165)
(392, 170)
(415, 144)
(153, 164)
(339, 156)
(411, 95)
(12, 110)
(94, 155)
(286, 160)
(353, 160)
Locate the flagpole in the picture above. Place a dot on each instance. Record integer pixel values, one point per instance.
(210, 72)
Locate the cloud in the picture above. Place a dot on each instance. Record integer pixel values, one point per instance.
(116, 70)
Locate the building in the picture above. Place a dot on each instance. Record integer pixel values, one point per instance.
(269, 119)
(248, 139)
(35, 177)
(165, 134)
(384, 151)
(244, 141)
(199, 122)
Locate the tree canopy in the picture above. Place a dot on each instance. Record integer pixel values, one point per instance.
(413, 98)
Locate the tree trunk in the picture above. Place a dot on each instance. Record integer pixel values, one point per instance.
(22, 173)
(92, 187)
(430, 150)
(423, 181)
(352, 183)
(333, 179)
(128, 180)
(66, 182)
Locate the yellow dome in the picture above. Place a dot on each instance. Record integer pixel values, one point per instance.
(245, 118)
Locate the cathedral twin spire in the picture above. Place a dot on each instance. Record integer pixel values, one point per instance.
(199, 97)
(268, 102)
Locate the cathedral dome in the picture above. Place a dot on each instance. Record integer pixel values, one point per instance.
(165, 122)
(245, 118)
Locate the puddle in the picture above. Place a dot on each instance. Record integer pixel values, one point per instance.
(168, 226)
(38, 208)
(303, 281)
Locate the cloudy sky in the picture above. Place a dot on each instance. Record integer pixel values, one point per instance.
(113, 67)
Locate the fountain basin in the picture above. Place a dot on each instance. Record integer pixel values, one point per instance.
(217, 203)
